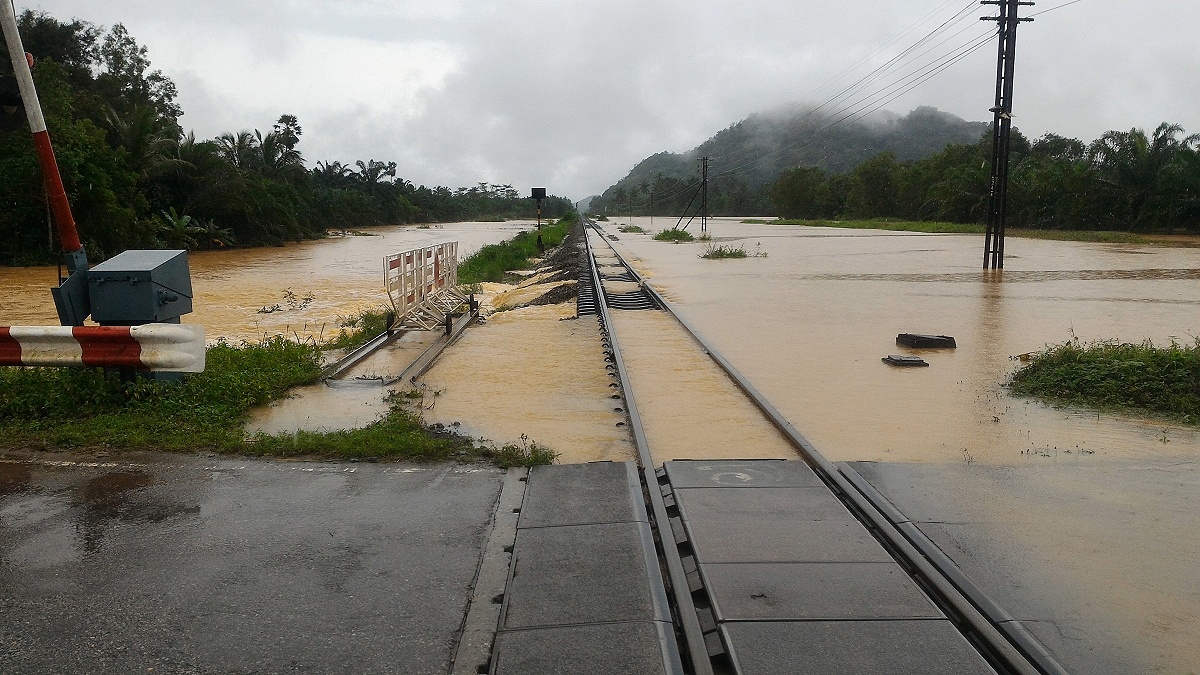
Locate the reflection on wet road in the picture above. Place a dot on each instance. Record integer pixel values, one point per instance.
(180, 564)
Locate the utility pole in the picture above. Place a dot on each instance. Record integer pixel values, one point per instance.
(703, 195)
(993, 247)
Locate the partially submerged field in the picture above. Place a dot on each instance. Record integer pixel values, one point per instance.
(1135, 378)
(91, 409)
(61, 408)
(938, 227)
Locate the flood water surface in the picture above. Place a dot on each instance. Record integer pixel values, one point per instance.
(809, 323)
(1084, 525)
(298, 290)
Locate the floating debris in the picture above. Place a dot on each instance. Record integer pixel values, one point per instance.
(920, 341)
(905, 361)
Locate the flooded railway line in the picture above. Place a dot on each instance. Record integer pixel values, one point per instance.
(764, 564)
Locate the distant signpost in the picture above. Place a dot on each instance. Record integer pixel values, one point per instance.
(538, 195)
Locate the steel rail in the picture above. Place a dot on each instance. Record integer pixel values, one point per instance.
(686, 609)
(418, 367)
(339, 368)
(994, 642)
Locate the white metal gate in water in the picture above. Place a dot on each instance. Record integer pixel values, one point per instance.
(423, 285)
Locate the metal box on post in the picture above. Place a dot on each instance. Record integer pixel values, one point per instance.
(139, 287)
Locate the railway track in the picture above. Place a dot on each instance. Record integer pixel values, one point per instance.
(752, 611)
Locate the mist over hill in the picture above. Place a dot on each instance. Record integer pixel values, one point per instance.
(751, 154)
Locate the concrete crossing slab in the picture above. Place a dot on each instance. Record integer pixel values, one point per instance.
(922, 647)
(581, 574)
(599, 649)
(750, 473)
(585, 594)
(811, 591)
(579, 494)
(797, 584)
(729, 525)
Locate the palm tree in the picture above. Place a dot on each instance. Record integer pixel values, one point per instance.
(240, 150)
(1137, 172)
(334, 174)
(276, 157)
(148, 140)
(374, 171)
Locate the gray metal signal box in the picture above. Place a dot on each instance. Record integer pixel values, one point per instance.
(139, 287)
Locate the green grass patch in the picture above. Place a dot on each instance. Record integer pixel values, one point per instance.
(674, 234)
(493, 261)
(631, 229)
(718, 252)
(938, 227)
(523, 453)
(934, 227)
(69, 408)
(356, 330)
(1138, 378)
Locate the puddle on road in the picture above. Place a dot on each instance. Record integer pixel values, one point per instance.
(14, 477)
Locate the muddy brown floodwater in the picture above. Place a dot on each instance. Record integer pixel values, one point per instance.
(343, 275)
(1087, 525)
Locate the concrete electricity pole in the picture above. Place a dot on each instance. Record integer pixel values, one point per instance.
(993, 251)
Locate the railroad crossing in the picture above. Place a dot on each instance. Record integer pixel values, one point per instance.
(731, 566)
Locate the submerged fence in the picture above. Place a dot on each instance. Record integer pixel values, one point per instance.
(422, 284)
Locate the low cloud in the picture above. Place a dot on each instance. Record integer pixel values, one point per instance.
(571, 94)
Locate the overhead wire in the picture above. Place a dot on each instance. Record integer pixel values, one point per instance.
(841, 111)
(860, 108)
(895, 38)
(907, 55)
(1046, 11)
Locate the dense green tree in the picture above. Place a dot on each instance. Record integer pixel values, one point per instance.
(803, 192)
(874, 188)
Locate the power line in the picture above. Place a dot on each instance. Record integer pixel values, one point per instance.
(846, 114)
(1046, 11)
(881, 70)
(885, 45)
(841, 107)
(842, 112)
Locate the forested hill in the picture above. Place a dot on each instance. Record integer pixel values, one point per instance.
(759, 148)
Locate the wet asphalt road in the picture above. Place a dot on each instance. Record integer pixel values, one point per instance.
(193, 565)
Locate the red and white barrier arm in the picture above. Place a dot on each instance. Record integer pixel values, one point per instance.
(155, 347)
(55, 193)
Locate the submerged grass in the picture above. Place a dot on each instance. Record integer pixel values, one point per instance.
(524, 453)
(674, 234)
(1138, 378)
(66, 408)
(491, 262)
(718, 252)
(631, 229)
(355, 330)
(938, 227)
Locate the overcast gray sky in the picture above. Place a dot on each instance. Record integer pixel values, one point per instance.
(571, 93)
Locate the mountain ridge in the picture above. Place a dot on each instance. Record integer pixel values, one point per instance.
(757, 149)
